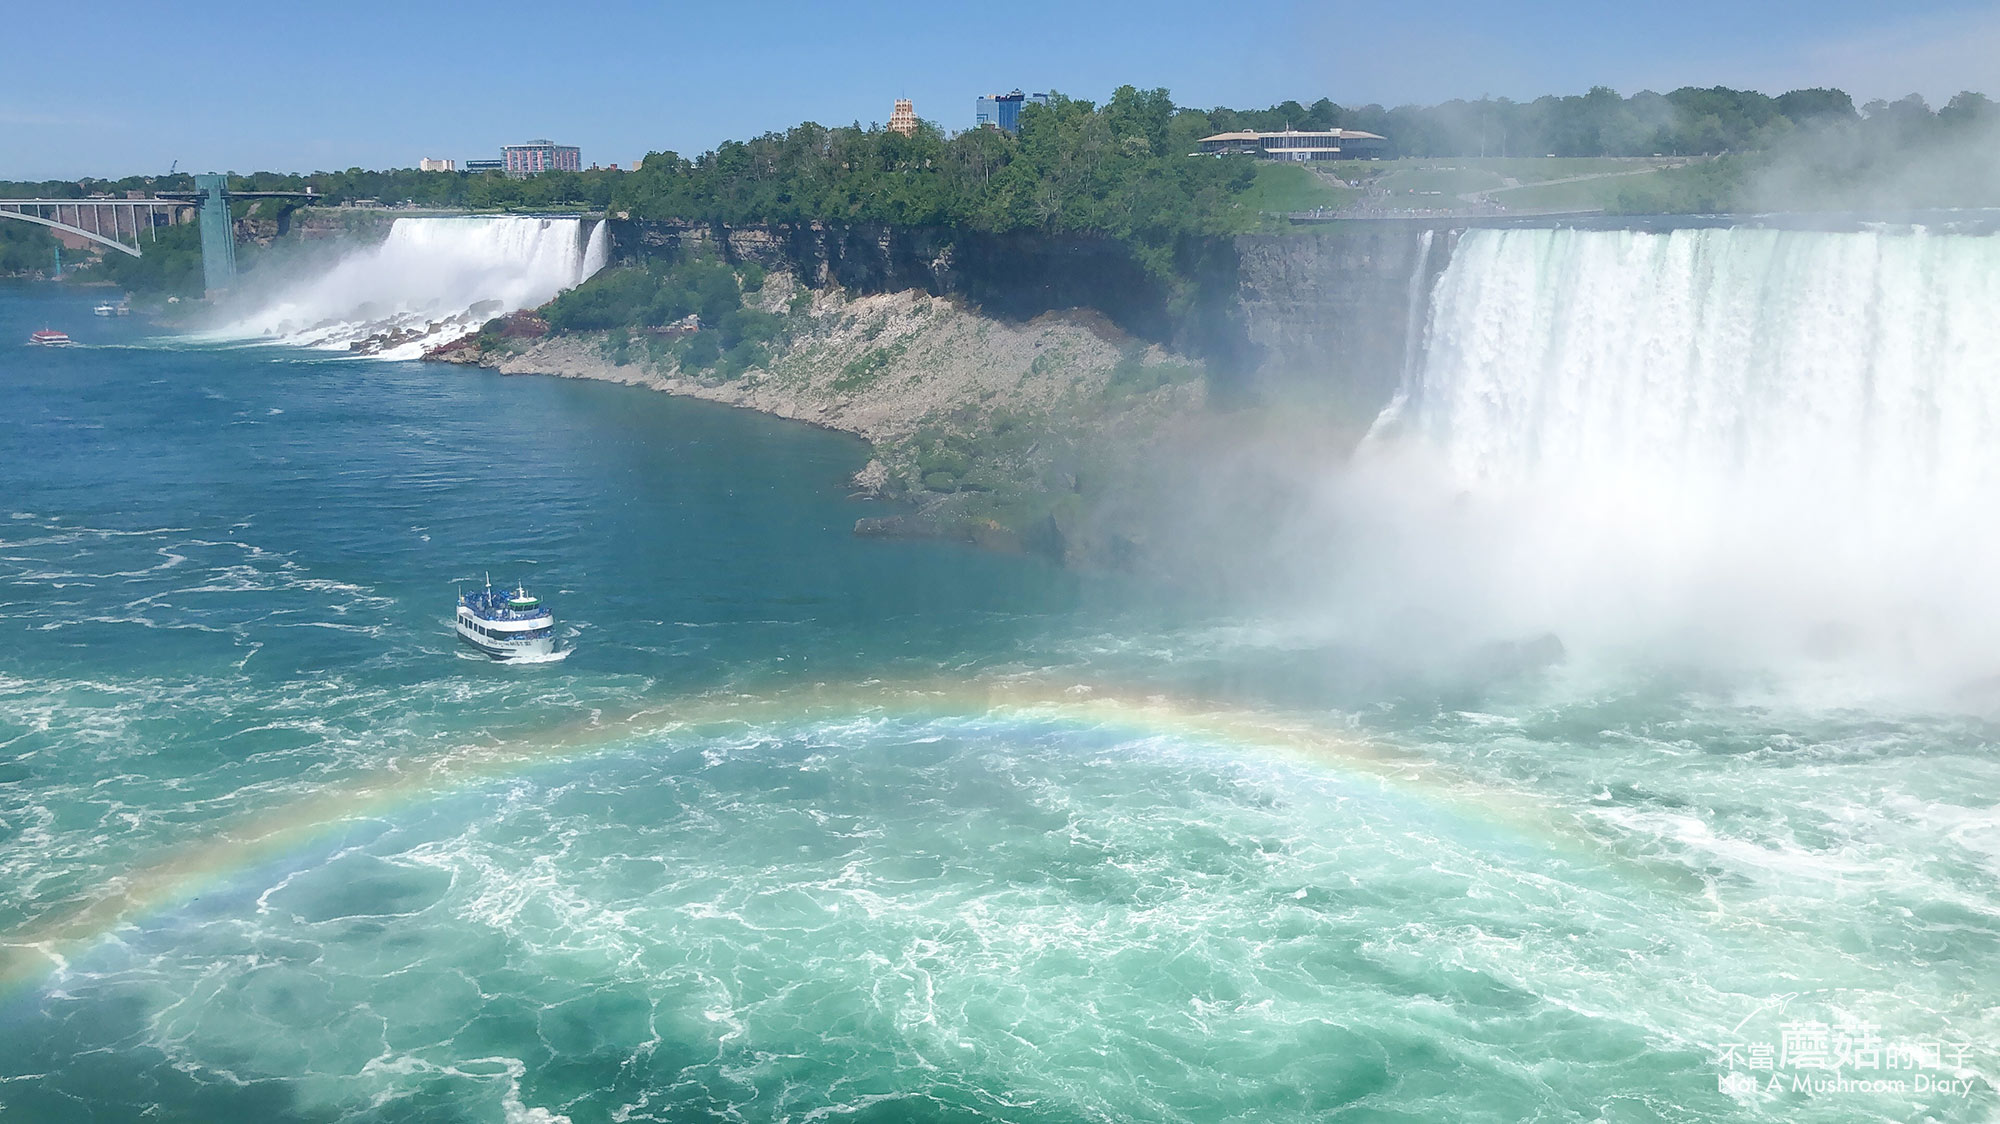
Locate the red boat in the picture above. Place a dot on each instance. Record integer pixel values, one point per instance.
(49, 337)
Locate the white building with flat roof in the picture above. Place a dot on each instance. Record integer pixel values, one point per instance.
(429, 165)
(1298, 144)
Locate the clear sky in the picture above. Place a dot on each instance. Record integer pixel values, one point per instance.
(116, 88)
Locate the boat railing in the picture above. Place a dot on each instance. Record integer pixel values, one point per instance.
(500, 612)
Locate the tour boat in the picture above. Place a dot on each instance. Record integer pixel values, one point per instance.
(106, 309)
(49, 337)
(507, 626)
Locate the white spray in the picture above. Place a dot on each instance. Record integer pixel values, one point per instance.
(1744, 444)
(431, 280)
(1413, 331)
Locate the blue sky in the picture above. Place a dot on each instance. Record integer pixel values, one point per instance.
(242, 86)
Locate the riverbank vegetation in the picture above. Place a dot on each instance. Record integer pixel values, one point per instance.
(170, 266)
(26, 248)
(688, 312)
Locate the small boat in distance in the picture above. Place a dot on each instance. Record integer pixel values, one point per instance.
(106, 309)
(508, 626)
(49, 337)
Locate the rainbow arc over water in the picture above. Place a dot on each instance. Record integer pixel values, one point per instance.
(32, 951)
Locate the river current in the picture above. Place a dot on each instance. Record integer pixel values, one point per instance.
(812, 827)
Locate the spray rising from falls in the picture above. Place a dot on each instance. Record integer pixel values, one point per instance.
(431, 280)
(1775, 443)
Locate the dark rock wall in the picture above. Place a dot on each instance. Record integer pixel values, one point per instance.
(1017, 276)
(315, 224)
(1320, 318)
(1329, 317)
(863, 257)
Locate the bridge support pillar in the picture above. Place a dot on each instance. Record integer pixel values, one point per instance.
(218, 235)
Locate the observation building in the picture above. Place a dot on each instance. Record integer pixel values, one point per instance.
(1298, 145)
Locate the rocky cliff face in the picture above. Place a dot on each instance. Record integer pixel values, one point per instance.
(1324, 319)
(866, 258)
(316, 224)
(1013, 276)
(1331, 319)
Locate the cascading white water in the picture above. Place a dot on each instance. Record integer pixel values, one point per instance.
(1863, 364)
(1764, 442)
(430, 280)
(597, 252)
(1413, 306)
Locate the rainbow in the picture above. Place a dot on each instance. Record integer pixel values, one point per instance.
(30, 952)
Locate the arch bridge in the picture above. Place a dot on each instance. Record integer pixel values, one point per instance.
(127, 225)
(124, 225)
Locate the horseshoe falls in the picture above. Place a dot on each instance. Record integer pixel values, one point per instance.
(430, 281)
(1628, 756)
(1748, 447)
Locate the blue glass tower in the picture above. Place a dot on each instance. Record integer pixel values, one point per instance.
(1003, 111)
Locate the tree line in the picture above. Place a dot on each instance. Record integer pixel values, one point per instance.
(1122, 169)
(1079, 165)
(1119, 170)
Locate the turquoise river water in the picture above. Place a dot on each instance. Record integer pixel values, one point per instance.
(818, 828)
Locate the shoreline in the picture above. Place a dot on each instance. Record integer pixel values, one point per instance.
(987, 429)
(569, 357)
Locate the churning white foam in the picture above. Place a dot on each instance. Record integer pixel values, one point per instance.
(1774, 443)
(431, 280)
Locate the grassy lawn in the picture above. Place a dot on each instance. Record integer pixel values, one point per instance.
(1583, 193)
(1441, 183)
(1459, 174)
(1564, 196)
(1283, 188)
(1417, 179)
(1537, 169)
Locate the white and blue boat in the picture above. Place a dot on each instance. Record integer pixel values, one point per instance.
(508, 626)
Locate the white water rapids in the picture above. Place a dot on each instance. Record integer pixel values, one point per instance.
(1737, 444)
(430, 281)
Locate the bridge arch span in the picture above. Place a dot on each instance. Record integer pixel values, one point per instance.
(52, 224)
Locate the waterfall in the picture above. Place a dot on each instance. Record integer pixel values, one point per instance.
(1787, 361)
(1413, 330)
(1765, 438)
(429, 281)
(597, 251)
(1413, 307)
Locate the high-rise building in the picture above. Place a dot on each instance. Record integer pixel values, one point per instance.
(1003, 111)
(903, 119)
(539, 156)
(441, 165)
